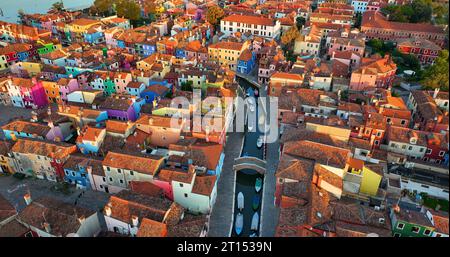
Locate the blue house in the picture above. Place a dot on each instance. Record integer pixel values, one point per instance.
(77, 169)
(146, 48)
(138, 104)
(90, 139)
(246, 61)
(154, 92)
(121, 43)
(180, 52)
(94, 36)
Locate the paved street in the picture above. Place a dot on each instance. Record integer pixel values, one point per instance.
(221, 216)
(7, 113)
(13, 189)
(270, 211)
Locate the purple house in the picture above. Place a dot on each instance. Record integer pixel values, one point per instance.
(32, 92)
(67, 86)
(120, 108)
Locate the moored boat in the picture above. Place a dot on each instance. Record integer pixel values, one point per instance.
(255, 202)
(255, 221)
(239, 223)
(240, 200)
(259, 142)
(258, 184)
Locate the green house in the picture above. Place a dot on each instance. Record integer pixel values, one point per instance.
(110, 86)
(46, 48)
(410, 223)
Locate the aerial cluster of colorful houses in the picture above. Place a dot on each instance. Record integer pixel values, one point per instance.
(100, 91)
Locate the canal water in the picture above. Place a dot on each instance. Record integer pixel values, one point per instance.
(11, 8)
(245, 183)
(246, 179)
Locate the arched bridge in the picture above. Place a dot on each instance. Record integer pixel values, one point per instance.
(249, 162)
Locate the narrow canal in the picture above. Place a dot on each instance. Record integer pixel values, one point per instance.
(246, 179)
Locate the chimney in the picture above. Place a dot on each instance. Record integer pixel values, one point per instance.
(108, 211)
(134, 221)
(436, 92)
(81, 219)
(47, 227)
(27, 199)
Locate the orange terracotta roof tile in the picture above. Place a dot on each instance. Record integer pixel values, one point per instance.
(151, 228)
(147, 165)
(249, 19)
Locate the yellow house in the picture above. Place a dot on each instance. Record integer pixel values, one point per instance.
(3, 63)
(51, 90)
(340, 133)
(6, 162)
(227, 53)
(371, 179)
(33, 68)
(82, 25)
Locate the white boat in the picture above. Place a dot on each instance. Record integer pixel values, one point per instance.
(239, 223)
(250, 126)
(255, 221)
(259, 142)
(258, 185)
(240, 199)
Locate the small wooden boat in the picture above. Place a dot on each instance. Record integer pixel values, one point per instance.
(240, 199)
(255, 221)
(255, 202)
(239, 223)
(258, 184)
(259, 142)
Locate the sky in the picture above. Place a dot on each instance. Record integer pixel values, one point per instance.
(10, 7)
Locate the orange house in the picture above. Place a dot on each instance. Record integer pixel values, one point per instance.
(52, 91)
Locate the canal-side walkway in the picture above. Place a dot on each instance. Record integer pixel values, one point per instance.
(269, 217)
(221, 219)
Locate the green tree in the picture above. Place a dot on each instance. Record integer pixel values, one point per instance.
(128, 9)
(300, 22)
(214, 14)
(57, 6)
(416, 12)
(186, 86)
(103, 6)
(421, 11)
(436, 76)
(289, 36)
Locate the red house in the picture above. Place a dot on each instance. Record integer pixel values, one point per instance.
(437, 147)
(425, 50)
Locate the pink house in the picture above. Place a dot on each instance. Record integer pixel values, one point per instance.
(350, 58)
(347, 43)
(164, 181)
(121, 80)
(67, 86)
(32, 93)
(195, 49)
(373, 72)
